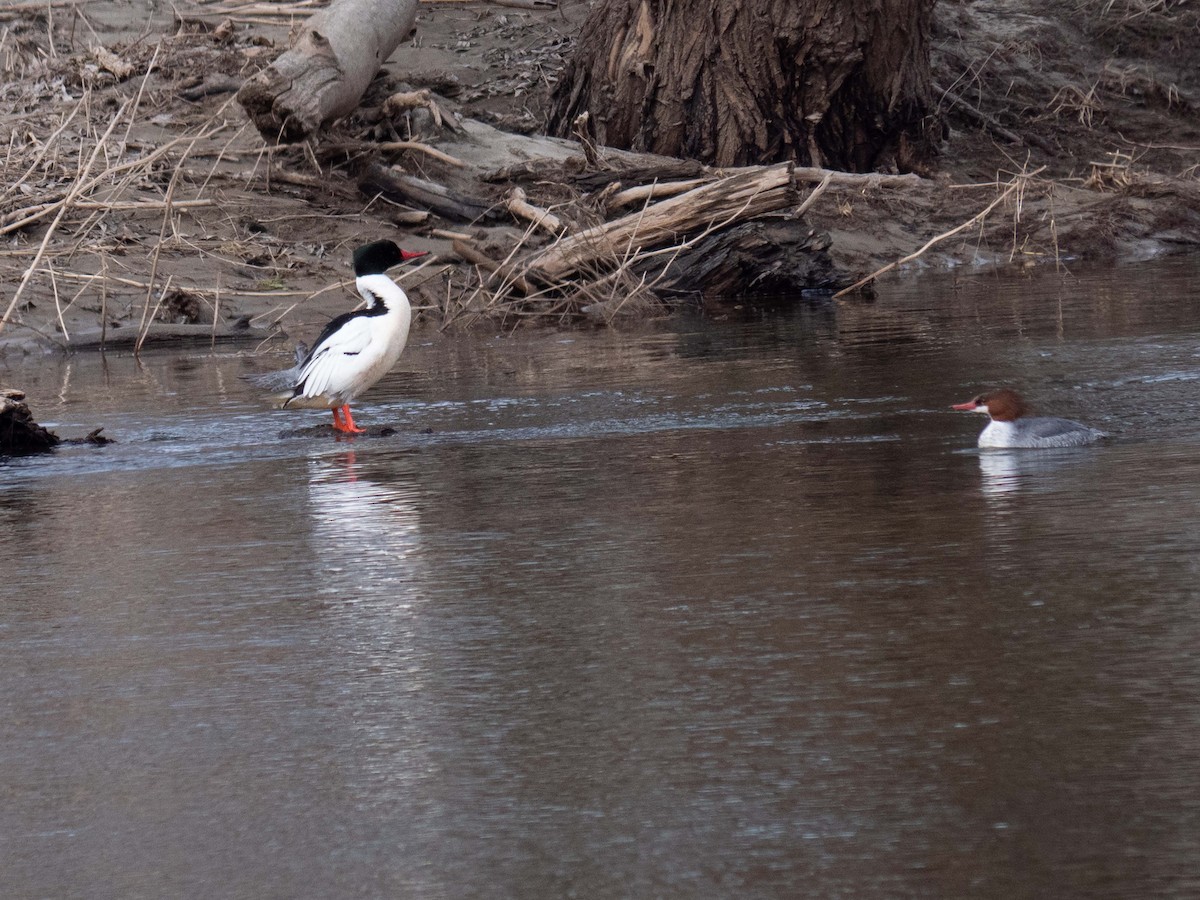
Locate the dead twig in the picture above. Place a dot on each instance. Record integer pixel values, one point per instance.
(58, 306)
(656, 191)
(478, 258)
(812, 198)
(990, 123)
(420, 148)
(519, 206)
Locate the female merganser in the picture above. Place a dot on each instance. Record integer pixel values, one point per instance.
(357, 348)
(1009, 428)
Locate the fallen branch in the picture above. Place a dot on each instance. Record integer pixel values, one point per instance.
(525, 4)
(479, 258)
(281, 176)
(421, 148)
(645, 169)
(1017, 182)
(329, 148)
(433, 196)
(519, 206)
(815, 175)
(748, 194)
(655, 191)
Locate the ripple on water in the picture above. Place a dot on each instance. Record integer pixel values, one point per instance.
(646, 613)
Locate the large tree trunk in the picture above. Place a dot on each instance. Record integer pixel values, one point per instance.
(838, 83)
(326, 71)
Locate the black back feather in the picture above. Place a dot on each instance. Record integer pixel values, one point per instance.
(318, 347)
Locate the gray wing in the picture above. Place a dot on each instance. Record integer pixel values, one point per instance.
(1051, 431)
(281, 379)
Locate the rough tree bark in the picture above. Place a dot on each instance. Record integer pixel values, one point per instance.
(328, 68)
(838, 83)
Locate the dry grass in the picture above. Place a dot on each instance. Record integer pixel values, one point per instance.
(81, 175)
(1078, 103)
(1128, 10)
(1116, 174)
(1161, 23)
(90, 169)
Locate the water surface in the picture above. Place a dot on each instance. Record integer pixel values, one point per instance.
(705, 609)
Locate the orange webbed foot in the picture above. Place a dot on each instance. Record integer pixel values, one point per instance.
(346, 423)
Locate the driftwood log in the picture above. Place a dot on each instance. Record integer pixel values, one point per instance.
(19, 434)
(746, 195)
(437, 198)
(634, 168)
(324, 74)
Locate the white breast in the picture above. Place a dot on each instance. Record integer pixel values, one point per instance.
(998, 434)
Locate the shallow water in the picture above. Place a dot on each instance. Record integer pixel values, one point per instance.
(711, 609)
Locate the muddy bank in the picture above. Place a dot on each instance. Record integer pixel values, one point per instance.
(138, 197)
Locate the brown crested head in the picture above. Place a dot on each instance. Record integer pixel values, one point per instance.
(1003, 405)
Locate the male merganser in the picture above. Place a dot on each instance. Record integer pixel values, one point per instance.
(357, 348)
(1010, 428)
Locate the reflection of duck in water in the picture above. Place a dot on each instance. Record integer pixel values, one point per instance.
(359, 515)
(357, 348)
(1008, 472)
(1010, 427)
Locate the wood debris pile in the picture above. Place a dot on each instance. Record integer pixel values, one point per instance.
(139, 203)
